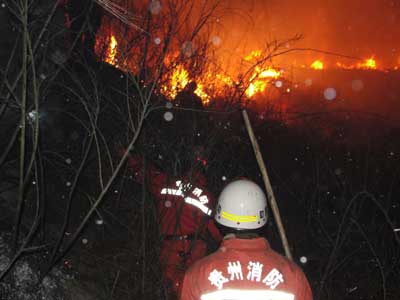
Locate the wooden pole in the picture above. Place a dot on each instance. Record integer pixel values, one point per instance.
(267, 183)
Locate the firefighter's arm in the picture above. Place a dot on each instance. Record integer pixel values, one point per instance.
(303, 290)
(136, 163)
(188, 285)
(213, 230)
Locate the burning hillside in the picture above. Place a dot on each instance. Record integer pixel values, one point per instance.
(175, 54)
(178, 75)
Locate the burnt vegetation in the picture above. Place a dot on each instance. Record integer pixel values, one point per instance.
(69, 203)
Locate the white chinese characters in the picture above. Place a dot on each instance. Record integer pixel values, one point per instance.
(216, 278)
(182, 189)
(255, 273)
(273, 279)
(235, 270)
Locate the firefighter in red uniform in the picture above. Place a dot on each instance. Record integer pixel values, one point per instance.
(244, 267)
(185, 221)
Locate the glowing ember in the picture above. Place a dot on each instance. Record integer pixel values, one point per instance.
(317, 65)
(341, 66)
(369, 63)
(112, 51)
(203, 95)
(225, 80)
(256, 87)
(253, 55)
(269, 73)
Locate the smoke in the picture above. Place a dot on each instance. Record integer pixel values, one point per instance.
(359, 28)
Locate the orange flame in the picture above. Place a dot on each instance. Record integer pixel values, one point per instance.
(202, 94)
(209, 83)
(341, 66)
(269, 73)
(218, 83)
(112, 51)
(259, 80)
(179, 79)
(253, 55)
(369, 63)
(317, 65)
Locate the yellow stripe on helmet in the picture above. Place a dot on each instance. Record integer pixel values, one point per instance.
(236, 218)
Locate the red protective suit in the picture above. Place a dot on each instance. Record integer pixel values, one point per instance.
(185, 209)
(244, 269)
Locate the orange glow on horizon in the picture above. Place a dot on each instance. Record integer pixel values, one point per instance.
(317, 65)
(369, 63)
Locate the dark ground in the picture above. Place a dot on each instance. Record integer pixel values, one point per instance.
(336, 183)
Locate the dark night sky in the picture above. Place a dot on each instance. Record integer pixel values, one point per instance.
(358, 28)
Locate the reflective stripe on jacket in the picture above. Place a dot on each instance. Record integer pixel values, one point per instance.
(184, 204)
(244, 269)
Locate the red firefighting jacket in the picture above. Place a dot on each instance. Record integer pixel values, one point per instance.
(244, 269)
(184, 204)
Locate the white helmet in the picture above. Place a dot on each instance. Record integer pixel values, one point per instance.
(242, 205)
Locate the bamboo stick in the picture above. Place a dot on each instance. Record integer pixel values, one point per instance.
(270, 193)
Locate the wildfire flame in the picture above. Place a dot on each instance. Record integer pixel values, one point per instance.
(202, 94)
(261, 76)
(112, 51)
(253, 55)
(180, 77)
(260, 79)
(369, 63)
(178, 80)
(175, 81)
(317, 65)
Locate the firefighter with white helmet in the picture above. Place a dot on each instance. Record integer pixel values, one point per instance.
(242, 205)
(244, 267)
